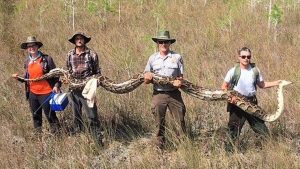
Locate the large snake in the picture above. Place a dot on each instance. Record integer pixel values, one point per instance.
(187, 86)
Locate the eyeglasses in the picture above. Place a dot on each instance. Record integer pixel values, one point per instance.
(31, 46)
(245, 56)
(163, 42)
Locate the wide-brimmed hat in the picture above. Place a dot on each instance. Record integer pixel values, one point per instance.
(31, 39)
(163, 36)
(86, 38)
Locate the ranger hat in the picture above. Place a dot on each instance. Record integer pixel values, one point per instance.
(31, 39)
(86, 38)
(163, 36)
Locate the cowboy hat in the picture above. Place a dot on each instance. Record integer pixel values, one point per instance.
(86, 38)
(31, 39)
(163, 36)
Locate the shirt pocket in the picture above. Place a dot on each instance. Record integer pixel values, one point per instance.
(172, 66)
(156, 67)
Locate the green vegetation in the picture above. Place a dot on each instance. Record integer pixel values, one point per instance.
(208, 34)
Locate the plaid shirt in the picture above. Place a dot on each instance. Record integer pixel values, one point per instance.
(83, 65)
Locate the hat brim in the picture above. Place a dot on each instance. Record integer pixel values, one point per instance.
(24, 45)
(86, 39)
(159, 39)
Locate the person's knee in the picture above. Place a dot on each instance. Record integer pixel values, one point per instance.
(261, 128)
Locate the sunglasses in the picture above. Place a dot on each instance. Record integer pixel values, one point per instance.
(163, 42)
(31, 46)
(246, 56)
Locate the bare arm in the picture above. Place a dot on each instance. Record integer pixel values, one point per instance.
(264, 85)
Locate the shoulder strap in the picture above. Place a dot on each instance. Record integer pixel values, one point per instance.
(44, 62)
(255, 74)
(236, 76)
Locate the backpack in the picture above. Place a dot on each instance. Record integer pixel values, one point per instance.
(237, 74)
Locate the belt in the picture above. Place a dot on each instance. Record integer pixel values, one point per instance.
(165, 92)
(251, 98)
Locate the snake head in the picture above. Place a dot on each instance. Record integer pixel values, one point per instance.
(285, 82)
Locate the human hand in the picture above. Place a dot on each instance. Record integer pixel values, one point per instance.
(232, 100)
(15, 75)
(148, 77)
(177, 83)
(278, 82)
(56, 89)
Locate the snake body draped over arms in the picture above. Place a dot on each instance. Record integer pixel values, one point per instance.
(187, 86)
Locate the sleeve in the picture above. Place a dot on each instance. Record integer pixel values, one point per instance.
(181, 65)
(148, 67)
(68, 64)
(96, 66)
(260, 77)
(51, 64)
(229, 75)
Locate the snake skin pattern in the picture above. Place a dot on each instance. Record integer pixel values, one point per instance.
(187, 87)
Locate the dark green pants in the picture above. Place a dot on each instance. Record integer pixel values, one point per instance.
(237, 120)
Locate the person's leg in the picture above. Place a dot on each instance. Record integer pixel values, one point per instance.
(94, 126)
(235, 125)
(178, 110)
(76, 108)
(50, 114)
(36, 111)
(159, 108)
(259, 126)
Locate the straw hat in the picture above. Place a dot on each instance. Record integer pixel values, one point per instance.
(31, 39)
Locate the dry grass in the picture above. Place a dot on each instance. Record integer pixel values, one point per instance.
(208, 36)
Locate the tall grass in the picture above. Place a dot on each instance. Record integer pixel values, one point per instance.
(208, 35)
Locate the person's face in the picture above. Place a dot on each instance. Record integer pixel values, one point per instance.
(79, 41)
(164, 46)
(245, 57)
(32, 48)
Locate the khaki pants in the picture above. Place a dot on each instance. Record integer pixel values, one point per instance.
(172, 100)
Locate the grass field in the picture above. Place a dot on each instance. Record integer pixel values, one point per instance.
(208, 34)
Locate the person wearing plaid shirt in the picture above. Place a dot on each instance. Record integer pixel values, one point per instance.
(83, 62)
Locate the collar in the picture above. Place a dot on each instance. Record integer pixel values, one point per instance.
(167, 56)
(86, 50)
(34, 59)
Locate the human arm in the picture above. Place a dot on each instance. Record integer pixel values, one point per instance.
(148, 75)
(95, 66)
(56, 81)
(225, 86)
(179, 79)
(17, 77)
(264, 85)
